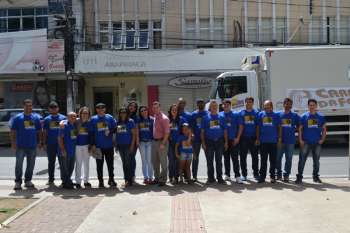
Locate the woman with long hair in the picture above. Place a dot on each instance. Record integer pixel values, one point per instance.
(82, 150)
(126, 139)
(145, 128)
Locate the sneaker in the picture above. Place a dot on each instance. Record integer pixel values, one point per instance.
(227, 178)
(210, 181)
(87, 185)
(317, 180)
(239, 180)
(145, 181)
(29, 184)
(221, 181)
(50, 183)
(299, 180)
(101, 184)
(68, 186)
(260, 181)
(243, 178)
(161, 184)
(257, 177)
(18, 186)
(273, 180)
(78, 186)
(279, 177)
(134, 179)
(112, 183)
(286, 179)
(127, 184)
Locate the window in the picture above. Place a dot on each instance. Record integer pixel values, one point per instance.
(344, 30)
(204, 32)
(316, 33)
(104, 41)
(117, 35)
(281, 30)
(191, 33)
(219, 32)
(157, 35)
(22, 19)
(252, 30)
(266, 30)
(130, 35)
(229, 87)
(332, 30)
(143, 35)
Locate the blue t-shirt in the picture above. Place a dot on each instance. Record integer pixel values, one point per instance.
(249, 122)
(186, 115)
(83, 134)
(99, 127)
(232, 122)
(123, 132)
(175, 128)
(183, 145)
(52, 127)
(312, 127)
(145, 127)
(289, 124)
(268, 124)
(196, 123)
(26, 127)
(69, 134)
(213, 126)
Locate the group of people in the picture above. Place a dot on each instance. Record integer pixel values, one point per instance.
(169, 144)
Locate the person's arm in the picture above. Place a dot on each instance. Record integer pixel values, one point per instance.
(13, 139)
(203, 139)
(279, 134)
(300, 134)
(324, 134)
(61, 142)
(225, 139)
(133, 140)
(166, 128)
(177, 150)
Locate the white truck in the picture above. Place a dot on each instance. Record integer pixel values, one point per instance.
(300, 73)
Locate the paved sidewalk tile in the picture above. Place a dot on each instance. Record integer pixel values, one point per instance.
(54, 214)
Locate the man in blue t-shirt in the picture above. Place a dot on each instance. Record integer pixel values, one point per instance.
(181, 105)
(50, 138)
(196, 122)
(312, 134)
(268, 133)
(289, 125)
(232, 123)
(67, 141)
(102, 128)
(248, 121)
(214, 141)
(25, 132)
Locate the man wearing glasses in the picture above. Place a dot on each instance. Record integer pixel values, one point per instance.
(50, 138)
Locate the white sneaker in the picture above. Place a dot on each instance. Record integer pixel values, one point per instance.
(243, 178)
(238, 180)
(227, 178)
(18, 186)
(29, 184)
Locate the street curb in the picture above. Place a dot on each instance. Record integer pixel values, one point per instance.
(21, 212)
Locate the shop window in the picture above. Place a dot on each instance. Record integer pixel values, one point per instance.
(41, 22)
(14, 24)
(28, 24)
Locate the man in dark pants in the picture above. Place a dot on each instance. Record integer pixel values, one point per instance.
(234, 134)
(268, 133)
(102, 128)
(248, 121)
(50, 138)
(196, 122)
(214, 141)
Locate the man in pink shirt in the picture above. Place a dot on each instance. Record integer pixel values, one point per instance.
(161, 130)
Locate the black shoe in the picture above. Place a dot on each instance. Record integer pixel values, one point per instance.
(78, 186)
(195, 179)
(299, 180)
(317, 180)
(273, 180)
(68, 186)
(260, 181)
(112, 183)
(210, 181)
(161, 184)
(221, 181)
(279, 177)
(101, 184)
(50, 183)
(286, 179)
(87, 185)
(257, 177)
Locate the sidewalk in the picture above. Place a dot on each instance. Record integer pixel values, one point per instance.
(251, 207)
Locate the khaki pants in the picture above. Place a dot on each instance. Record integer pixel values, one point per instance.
(160, 161)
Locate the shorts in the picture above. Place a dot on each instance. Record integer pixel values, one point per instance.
(185, 156)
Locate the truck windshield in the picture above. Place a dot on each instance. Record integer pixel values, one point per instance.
(230, 86)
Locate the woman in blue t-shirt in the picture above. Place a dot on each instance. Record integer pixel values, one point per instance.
(125, 138)
(145, 131)
(175, 121)
(184, 151)
(132, 112)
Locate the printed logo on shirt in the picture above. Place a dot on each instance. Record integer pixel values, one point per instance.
(29, 125)
(73, 134)
(102, 126)
(267, 121)
(312, 123)
(186, 145)
(54, 125)
(286, 123)
(214, 124)
(249, 120)
(199, 121)
(121, 128)
(83, 131)
(228, 122)
(144, 126)
(173, 126)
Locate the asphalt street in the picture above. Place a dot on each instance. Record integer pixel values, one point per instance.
(334, 163)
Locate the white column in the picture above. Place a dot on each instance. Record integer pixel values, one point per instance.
(273, 20)
(197, 20)
(183, 22)
(246, 20)
(110, 25)
(324, 22)
(310, 30)
(211, 20)
(97, 24)
(163, 10)
(225, 23)
(338, 22)
(287, 19)
(150, 24)
(259, 20)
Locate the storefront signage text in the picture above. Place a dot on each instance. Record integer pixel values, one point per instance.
(191, 82)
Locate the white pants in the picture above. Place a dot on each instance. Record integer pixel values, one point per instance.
(82, 156)
(146, 156)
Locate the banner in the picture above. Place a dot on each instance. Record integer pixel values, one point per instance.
(23, 52)
(327, 98)
(55, 56)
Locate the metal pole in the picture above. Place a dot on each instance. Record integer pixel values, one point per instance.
(349, 148)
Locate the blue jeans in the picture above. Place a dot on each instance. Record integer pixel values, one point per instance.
(195, 162)
(126, 157)
(173, 165)
(52, 153)
(304, 152)
(67, 164)
(30, 153)
(288, 150)
(146, 156)
(214, 151)
(133, 162)
(248, 144)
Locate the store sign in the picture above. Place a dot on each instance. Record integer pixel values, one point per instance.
(55, 56)
(327, 98)
(191, 82)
